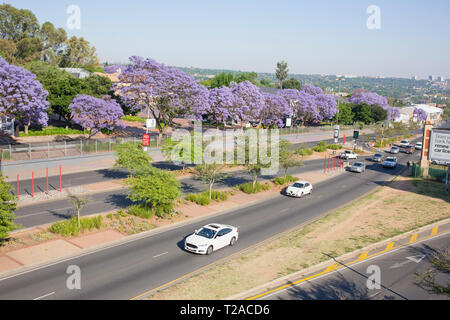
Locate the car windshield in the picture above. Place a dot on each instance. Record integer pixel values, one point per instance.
(390, 159)
(207, 233)
(377, 156)
(358, 164)
(299, 185)
(394, 148)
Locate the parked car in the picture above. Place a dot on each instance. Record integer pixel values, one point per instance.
(395, 150)
(390, 162)
(377, 157)
(408, 149)
(299, 189)
(347, 155)
(419, 146)
(211, 238)
(404, 143)
(358, 167)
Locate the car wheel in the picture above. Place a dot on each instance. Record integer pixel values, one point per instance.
(210, 251)
(233, 242)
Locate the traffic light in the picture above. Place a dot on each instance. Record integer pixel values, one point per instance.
(356, 135)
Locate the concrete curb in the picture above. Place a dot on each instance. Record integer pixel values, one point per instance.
(319, 267)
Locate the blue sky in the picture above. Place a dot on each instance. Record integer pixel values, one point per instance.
(315, 37)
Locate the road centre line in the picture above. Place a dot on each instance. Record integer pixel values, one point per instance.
(160, 255)
(45, 296)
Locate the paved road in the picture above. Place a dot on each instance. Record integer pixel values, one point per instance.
(48, 212)
(127, 270)
(398, 276)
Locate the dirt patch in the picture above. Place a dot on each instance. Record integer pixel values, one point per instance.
(402, 206)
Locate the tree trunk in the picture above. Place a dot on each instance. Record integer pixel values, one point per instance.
(78, 218)
(26, 128)
(255, 180)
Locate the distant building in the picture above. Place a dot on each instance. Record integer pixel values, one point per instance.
(77, 72)
(415, 78)
(430, 78)
(440, 79)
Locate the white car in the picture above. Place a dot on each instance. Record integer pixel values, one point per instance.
(348, 155)
(404, 143)
(419, 146)
(299, 189)
(211, 238)
(395, 150)
(390, 162)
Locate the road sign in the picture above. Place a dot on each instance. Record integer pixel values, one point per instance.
(288, 122)
(150, 124)
(146, 140)
(355, 135)
(439, 150)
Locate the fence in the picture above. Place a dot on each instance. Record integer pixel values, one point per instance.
(49, 150)
(435, 172)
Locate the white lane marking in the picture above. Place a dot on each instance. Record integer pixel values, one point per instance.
(41, 213)
(45, 296)
(284, 210)
(160, 255)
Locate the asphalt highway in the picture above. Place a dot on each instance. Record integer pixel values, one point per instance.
(130, 269)
(398, 275)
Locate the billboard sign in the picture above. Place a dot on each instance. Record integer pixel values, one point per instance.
(439, 151)
(150, 124)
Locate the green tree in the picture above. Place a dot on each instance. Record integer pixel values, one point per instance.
(156, 189)
(7, 207)
(287, 157)
(222, 79)
(210, 174)
(292, 84)
(345, 113)
(53, 43)
(9, 50)
(378, 113)
(133, 158)
(17, 24)
(282, 72)
(362, 113)
(79, 203)
(265, 83)
(79, 53)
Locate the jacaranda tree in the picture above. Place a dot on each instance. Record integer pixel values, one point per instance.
(275, 111)
(221, 103)
(248, 102)
(22, 96)
(166, 91)
(95, 114)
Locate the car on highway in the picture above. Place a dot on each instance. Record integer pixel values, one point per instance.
(404, 143)
(408, 149)
(358, 167)
(419, 146)
(299, 189)
(394, 150)
(377, 157)
(211, 238)
(348, 155)
(390, 162)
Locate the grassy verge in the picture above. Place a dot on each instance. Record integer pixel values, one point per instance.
(50, 131)
(405, 205)
(134, 119)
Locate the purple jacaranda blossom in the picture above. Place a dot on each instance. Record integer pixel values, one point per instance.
(393, 113)
(95, 114)
(221, 104)
(420, 114)
(248, 102)
(370, 98)
(22, 96)
(275, 111)
(303, 104)
(166, 91)
(114, 68)
(312, 90)
(327, 106)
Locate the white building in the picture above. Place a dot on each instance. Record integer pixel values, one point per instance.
(77, 72)
(407, 113)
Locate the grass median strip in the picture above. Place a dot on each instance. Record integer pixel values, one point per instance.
(402, 206)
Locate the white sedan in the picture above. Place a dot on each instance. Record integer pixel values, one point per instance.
(299, 189)
(211, 238)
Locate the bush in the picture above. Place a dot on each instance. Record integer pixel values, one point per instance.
(281, 181)
(248, 187)
(334, 147)
(304, 152)
(70, 227)
(141, 211)
(320, 148)
(321, 144)
(202, 199)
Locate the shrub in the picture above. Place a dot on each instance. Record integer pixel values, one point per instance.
(334, 147)
(321, 144)
(141, 211)
(304, 152)
(320, 148)
(70, 227)
(248, 187)
(284, 180)
(202, 199)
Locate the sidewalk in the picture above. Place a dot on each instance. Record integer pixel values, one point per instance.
(100, 161)
(42, 247)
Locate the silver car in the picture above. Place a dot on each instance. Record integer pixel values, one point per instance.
(377, 157)
(358, 167)
(395, 150)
